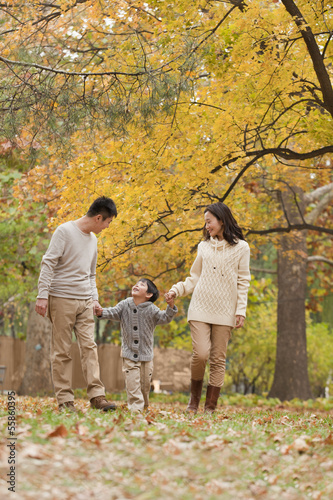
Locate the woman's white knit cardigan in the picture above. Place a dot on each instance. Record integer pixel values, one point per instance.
(219, 279)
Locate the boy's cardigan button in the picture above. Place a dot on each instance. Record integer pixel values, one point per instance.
(135, 327)
(134, 310)
(136, 341)
(135, 356)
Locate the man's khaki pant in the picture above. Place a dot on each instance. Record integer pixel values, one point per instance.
(209, 342)
(67, 315)
(138, 375)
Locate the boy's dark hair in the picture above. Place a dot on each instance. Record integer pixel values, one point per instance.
(151, 288)
(103, 206)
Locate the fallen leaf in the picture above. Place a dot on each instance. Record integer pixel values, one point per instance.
(81, 430)
(217, 486)
(33, 451)
(285, 449)
(138, 434)
(212, 438)
(277, 438)
(300, 445)
(258, 489)
(59, 431)
(329, 439)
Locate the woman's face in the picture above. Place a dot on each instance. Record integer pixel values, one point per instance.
(213, 225)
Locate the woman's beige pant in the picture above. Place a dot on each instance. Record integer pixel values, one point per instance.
(209, 342)
(67, 315)
(138, 375)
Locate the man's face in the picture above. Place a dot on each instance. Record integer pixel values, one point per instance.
(101, 224)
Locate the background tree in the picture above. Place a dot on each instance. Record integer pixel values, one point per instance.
(36, 372)
(291, 377)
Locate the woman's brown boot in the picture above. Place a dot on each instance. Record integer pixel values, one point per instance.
(196, 389)
(212, 396)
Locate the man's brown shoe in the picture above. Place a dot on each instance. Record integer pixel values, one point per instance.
(100, 403)
(68, 406)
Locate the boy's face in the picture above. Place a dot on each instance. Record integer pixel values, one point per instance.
(140, 291)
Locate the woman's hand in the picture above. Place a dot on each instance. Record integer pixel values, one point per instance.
(240, 320)
(170, 298)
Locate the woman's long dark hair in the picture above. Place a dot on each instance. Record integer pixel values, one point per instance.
(231, 230)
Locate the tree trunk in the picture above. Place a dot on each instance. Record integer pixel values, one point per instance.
(291, 367)
(37, 367)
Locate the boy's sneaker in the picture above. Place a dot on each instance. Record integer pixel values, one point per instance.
(68, 406)
(100, 403)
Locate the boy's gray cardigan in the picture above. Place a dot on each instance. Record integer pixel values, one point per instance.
(137, 326)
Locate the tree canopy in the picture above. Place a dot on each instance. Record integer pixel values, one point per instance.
(167, 108)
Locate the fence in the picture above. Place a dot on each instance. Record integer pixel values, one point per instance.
(171, 366)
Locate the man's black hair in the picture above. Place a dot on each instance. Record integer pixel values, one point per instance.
(151, 288)
(103, 206)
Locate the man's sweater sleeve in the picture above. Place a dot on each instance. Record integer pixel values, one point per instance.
(164, 317)
(49, 261)
(243, 281)
(113, 313)
(185, 287)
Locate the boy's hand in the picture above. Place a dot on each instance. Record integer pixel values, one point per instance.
(170, 299)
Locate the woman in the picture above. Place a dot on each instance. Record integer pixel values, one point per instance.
(219, 279)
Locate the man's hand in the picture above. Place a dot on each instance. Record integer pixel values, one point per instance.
(97, 308)
(240, 320)
(41, 306)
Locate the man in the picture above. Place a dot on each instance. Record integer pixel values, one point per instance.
(67, 293)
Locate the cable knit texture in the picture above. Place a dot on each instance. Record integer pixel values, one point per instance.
(219, 279)
(69, 264)
(137, 324)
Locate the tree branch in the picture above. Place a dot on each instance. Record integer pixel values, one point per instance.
(285, 153)
(262, 270)
(319, 258)
(69, 73)
(314, 52)
(324, 202)
(212, 31)
(291, 227)
(312, 258)
(317, 193)
(289, 154)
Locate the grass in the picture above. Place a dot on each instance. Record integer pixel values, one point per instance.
(250, 448)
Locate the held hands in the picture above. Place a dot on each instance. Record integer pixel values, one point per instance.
(170, 299)
(98, 309)
(240, 320)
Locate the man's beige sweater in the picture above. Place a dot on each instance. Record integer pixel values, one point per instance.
(69, 264)
(219, 279)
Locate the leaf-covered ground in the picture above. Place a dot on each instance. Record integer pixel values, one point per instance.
(250, 448)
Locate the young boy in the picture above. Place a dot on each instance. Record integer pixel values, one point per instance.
(138, 318)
